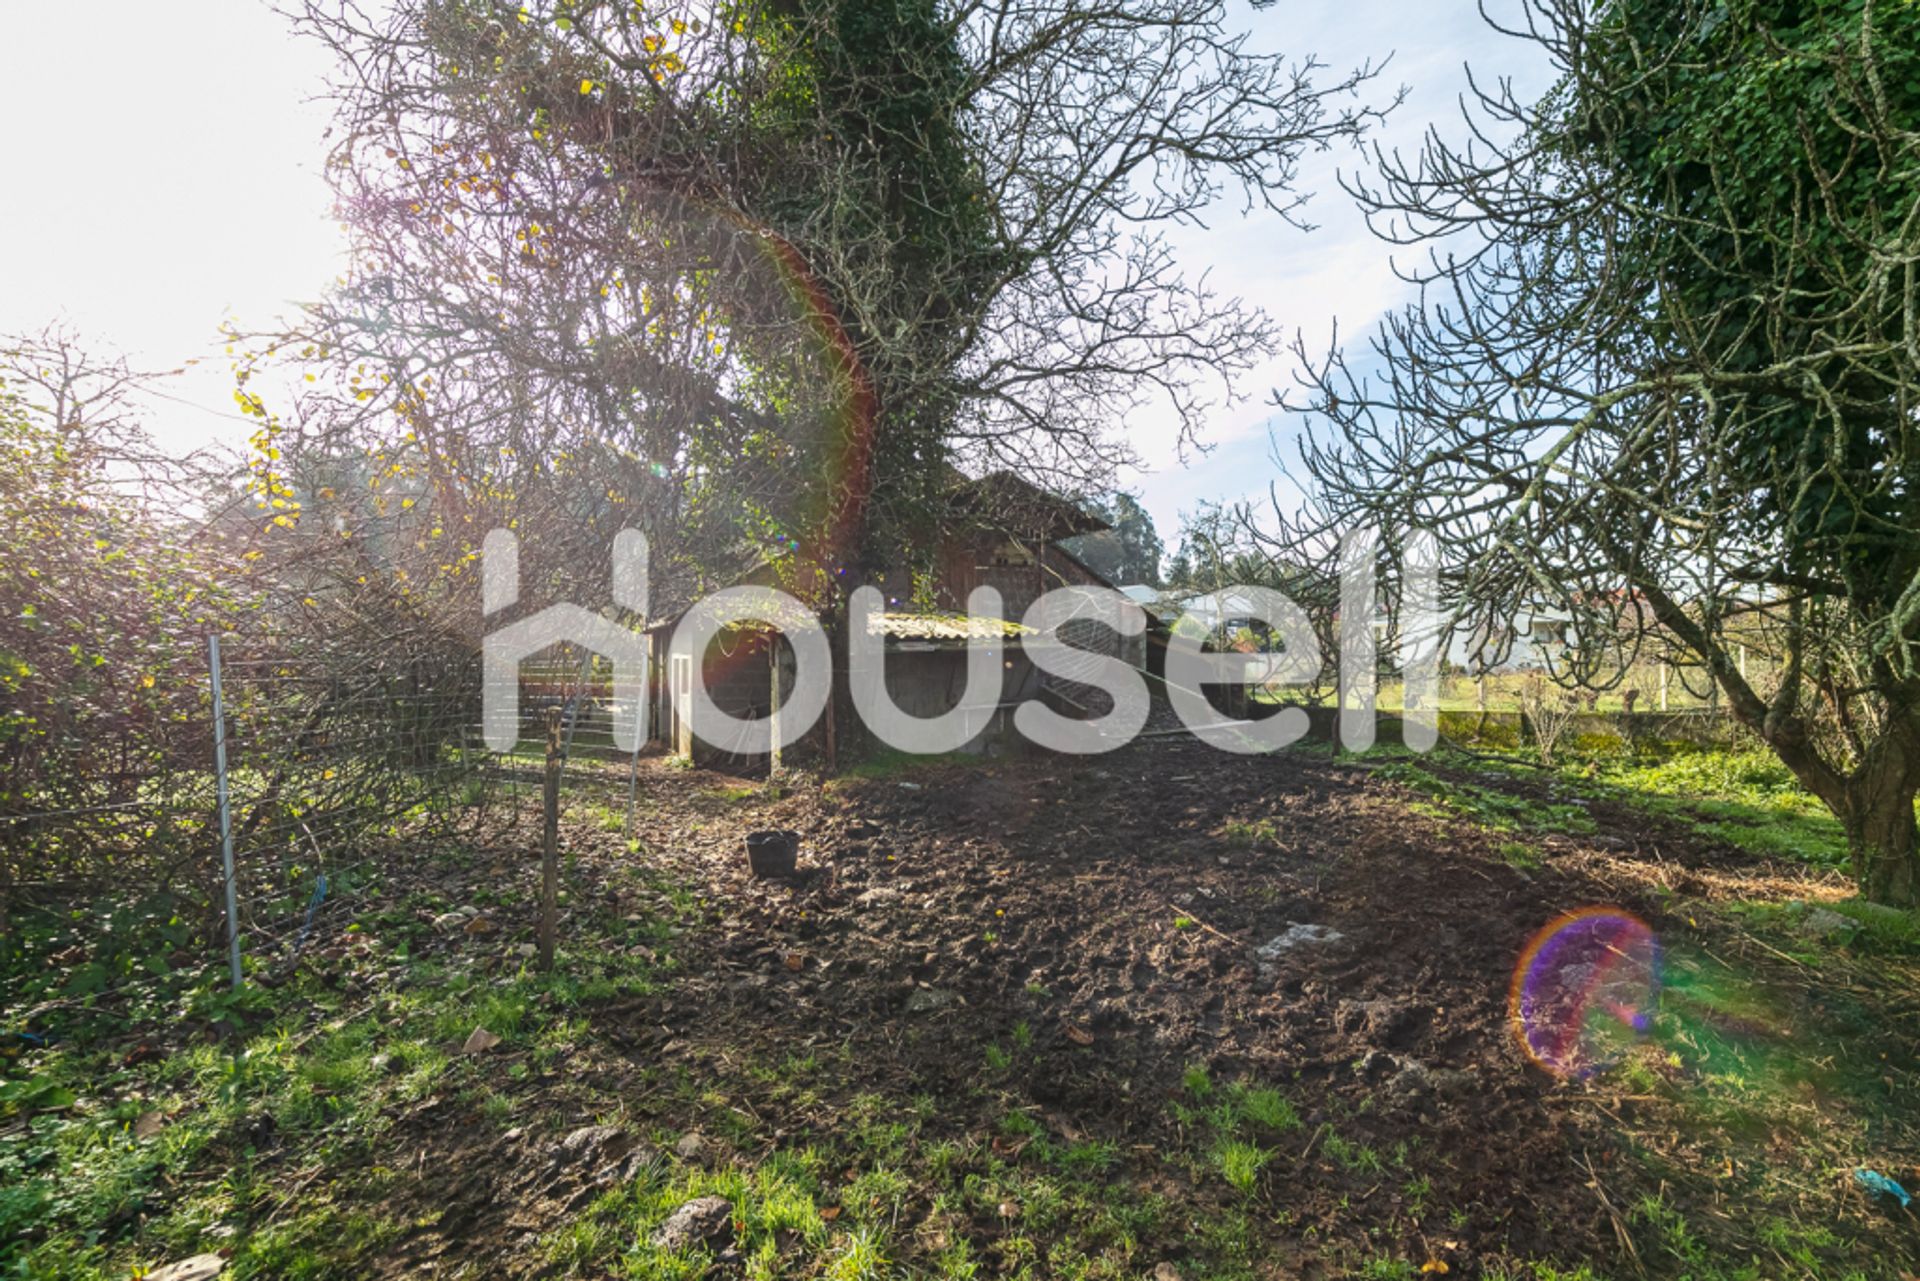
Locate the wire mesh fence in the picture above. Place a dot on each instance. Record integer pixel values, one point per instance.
(330, 756)
(328, 761)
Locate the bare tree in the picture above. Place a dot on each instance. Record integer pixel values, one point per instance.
(1549, 712)
(1662, 375)
(765, 276)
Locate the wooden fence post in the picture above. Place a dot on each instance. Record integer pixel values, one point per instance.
(550, 841)
(773, 711)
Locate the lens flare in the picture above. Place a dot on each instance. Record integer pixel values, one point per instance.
(1585, 990)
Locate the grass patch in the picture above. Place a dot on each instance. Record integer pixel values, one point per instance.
(1487, 807)
(889, 763)
(1239, 1164)
(1745, 798)
(112, 1164)
(1250, 835)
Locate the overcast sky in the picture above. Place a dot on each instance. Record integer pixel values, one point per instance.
(164, 166)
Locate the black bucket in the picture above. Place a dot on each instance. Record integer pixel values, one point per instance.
(772, 853)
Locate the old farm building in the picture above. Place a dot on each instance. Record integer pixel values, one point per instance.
(998, 531)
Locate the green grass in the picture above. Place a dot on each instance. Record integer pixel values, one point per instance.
(1268, 1109)
(889, 763)
(1198, 1081)
(1743, 797)
(1382, 1268)
(1746, 798)
(1490, 808)
(1356, 1158)
(1249, 835)
(308, 1070)
(1520, 854)
(832, 1174)
(843, 1202)
(1504, 690)
(1239, 1164)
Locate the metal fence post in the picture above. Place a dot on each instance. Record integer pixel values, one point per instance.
(573, 705)
(550, 843)
(633, 782)
(226, 813)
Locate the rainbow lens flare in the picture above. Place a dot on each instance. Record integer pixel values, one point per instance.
(1585, 990)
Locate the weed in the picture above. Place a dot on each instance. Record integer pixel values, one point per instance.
(1417, 1190)
(1487, 807)
(1672, 1231)
(1520, 855)
(1355, 1157)
(1019, 1125)
(1239, 1163)
(956, 1263)
(1090, 1156)
(1248, 835)
(1198, 1081)
(1269, 1109)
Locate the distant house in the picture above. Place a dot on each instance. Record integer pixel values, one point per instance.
(1545, 637)
(997, 531)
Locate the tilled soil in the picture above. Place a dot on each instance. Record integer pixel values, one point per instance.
(1109, 914)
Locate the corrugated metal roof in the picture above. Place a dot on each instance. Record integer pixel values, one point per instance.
(944, 626)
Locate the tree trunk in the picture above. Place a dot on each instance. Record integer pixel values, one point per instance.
(1881, 836)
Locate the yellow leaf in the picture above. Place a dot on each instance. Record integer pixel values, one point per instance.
(586, 86)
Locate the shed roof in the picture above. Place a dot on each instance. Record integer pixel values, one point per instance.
(944, 626)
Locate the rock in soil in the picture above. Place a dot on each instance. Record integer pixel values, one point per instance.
(926, 1000)
(594, 1145)
(1825, 923)
(1383, 1022)
(1295, 937)
(201, 1267)
(706, 1220)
